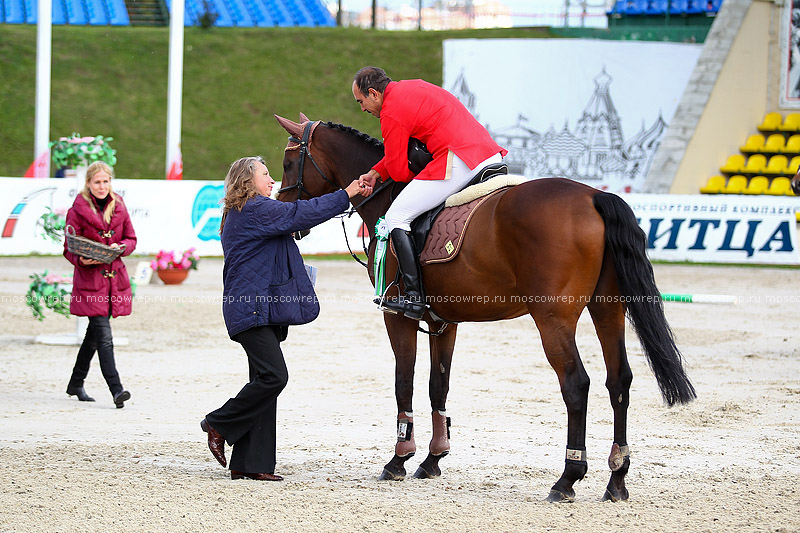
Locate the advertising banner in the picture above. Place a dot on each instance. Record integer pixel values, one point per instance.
(590, 110)
(176, 215)
(166, 215)
(718, 228)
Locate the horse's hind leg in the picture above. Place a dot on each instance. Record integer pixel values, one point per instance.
(441, 358)
(403, 337)
(557, 329)
(608, 315)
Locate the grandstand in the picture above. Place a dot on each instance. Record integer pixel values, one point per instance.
(241, 13)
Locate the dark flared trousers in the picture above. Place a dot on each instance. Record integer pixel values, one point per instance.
(248, 421)
(97, 339)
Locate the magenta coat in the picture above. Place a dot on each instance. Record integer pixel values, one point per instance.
(100, 290)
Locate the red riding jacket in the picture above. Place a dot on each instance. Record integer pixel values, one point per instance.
(100, 290)
(416, 108)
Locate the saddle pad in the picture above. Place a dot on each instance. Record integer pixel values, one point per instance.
(481, 189)
(444, 239)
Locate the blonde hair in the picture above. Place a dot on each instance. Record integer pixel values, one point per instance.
(239, 185)
(93, 169)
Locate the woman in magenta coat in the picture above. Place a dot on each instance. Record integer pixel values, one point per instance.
(99, 290)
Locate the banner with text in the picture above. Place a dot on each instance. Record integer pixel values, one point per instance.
(176, 215)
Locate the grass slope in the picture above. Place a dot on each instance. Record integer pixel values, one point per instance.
(113, 81)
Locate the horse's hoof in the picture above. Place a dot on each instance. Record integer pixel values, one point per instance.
(387, 475)
(423, 473)
(608, 497)
(559, 497)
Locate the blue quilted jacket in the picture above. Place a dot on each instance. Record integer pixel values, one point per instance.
(265, 282)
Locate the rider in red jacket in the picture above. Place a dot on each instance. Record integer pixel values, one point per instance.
(460, 146)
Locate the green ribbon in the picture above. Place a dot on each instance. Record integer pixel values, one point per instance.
(379, 265)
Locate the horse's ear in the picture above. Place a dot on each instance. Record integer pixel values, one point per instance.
(292, 127)
(303, 118)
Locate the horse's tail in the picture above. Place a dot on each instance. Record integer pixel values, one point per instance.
(628, 245)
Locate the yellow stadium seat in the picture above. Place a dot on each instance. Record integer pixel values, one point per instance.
(791, 122)
(714, 185)
(755, 164)
(793, 166)
(734, 164)
(792, 145)
(757, 185)
(779, 186)
(736, 185)
(753, 145)
(774, 143)
(771, 122)
(777, 165)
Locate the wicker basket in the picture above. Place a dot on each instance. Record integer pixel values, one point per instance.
(91, 249)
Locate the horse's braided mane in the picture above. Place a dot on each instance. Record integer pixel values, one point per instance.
(359, 135)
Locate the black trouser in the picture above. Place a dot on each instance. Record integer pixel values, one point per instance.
(248, 421)
(97, 339)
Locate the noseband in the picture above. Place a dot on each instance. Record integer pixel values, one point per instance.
(304, 144)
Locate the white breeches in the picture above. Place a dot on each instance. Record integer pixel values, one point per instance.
(423, 195)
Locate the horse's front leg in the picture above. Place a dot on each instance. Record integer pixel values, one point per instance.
(441, 358)
(403, 338)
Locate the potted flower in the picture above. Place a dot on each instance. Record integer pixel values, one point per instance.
(76, 153)
(173, 267)
(49, 291)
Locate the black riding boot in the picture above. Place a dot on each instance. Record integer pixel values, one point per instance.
(410, 304)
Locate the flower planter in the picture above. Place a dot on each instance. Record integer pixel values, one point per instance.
(172, 276)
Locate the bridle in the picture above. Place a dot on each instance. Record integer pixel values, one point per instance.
(303, 145)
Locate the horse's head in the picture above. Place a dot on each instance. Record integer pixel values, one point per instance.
(307, 172)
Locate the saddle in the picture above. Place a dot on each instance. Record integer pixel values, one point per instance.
(421, 227)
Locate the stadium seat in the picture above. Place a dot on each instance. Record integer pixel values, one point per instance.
(96, 12)
(714, 5)
(277, 12)
(75, 12)
(753, 144)
(695, 7)
(59, 17)
(757, 185)
(714, 185)
(793, 166)
(792, 145)
(774, 143)
(14, 11)
(223, 16)
(678, 7)
(117, 13)
(259, 13)
(239, 13)
(755, 164)
(736, 185)
(298, 12)
(777, 165)
(779, 186)
(771, 122)
(791, 122)
(733, 165)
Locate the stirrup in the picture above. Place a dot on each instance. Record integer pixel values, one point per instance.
(395, 305)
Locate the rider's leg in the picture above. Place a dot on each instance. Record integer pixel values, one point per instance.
(416, 198)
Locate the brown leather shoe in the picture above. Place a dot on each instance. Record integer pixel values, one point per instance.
(216, 442)
(262, 476)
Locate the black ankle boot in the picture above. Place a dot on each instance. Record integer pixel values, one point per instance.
(80, 393)
(121, 397)
(411, 304)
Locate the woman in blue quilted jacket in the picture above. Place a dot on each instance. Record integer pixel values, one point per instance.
(266, 289)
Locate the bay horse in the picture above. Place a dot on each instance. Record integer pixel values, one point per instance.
(548, 248)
